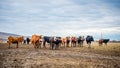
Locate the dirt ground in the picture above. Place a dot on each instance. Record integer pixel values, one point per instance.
(71, 57)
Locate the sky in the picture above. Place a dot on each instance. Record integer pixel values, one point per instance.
(61, 17)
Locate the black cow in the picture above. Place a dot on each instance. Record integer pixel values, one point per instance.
(80, 41)
(46, 39)
(24, 41)
(105, 41)
(27, 40)
(89, 39)
(53, 41)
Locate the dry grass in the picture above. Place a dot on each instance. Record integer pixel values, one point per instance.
(71, 57)
(112, 49)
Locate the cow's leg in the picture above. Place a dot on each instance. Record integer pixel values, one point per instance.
(9, 45)
(71, 44)
(40, 44)
(89, 45)
(17, 45)
(75, 44)
(52, 46)
(34, 45)
(81, 43)
(56, 46)
(100, 44)
(27, 42)
(60, 45)
(105, 43)
(37, 46)
(44, 43)
(63, 45)
(78, 44)
(67, 44)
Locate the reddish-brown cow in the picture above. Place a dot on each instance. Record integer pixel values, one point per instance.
(15, 40)
(35, 40)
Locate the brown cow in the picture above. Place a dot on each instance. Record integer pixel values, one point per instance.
(67, 41)
(21, 39)
(100, 42)
(35, 40)
(15, 40)
(73, 41)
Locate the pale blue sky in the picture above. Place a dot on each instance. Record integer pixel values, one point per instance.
(61, 17)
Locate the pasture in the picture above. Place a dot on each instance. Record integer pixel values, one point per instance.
(69, 57)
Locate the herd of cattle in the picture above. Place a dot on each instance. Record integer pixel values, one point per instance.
(55, 42)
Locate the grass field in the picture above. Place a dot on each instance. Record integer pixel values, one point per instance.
(70, 57)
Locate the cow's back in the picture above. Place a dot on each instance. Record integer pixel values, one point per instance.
(35, 38)
(105, 40)
(13, 39)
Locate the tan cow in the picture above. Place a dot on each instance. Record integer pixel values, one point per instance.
(63, 40)
(16, 40)
(35, 40)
